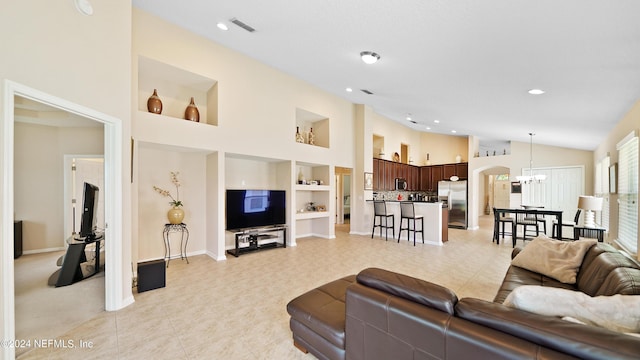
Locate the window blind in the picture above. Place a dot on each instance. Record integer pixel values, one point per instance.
(628, 193)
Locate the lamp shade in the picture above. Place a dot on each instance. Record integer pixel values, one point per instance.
(590, 203)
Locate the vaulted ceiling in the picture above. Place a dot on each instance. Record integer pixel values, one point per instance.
(468, 64)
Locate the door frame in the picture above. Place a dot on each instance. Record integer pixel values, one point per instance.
(113, 145)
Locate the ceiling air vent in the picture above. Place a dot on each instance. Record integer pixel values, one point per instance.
(366, 91)
(242, 25)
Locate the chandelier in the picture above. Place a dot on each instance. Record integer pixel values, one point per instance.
(527, 179)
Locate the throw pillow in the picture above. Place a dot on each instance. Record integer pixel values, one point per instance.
(556, 259)
(618, 312)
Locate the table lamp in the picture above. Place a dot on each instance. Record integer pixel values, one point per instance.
(589, 204)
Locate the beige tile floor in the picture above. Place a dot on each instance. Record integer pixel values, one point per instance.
(235, 309)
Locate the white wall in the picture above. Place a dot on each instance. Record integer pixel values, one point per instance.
(543, 156)
(39, 170)
(630, 122)
(156, 164)
(50, 47)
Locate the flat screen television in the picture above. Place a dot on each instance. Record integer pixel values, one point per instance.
(255, 208)
(89, 220)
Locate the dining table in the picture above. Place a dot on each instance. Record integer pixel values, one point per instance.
(498, 212)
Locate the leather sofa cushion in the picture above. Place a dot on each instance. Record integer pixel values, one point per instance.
(582, 341)
(410, 288)
(517, 276)
(609, 272)
(322, 310)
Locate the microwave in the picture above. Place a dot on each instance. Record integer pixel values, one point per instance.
(401, 184)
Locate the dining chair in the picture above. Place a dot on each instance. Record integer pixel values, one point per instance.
(407, 211)
(571, 224)
(501, 220)
(380, 214)
(526, 222)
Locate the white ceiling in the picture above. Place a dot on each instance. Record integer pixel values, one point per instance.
(467, 63)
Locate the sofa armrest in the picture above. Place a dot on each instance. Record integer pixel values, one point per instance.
(515, 252)
(582, 341)
(410, 288)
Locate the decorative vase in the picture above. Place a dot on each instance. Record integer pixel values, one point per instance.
(191, 112)
(175, 215)
(312, 137)
(299, 137)
(154, 104)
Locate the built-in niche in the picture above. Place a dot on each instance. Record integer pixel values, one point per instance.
(378, 146)
(489, 147)
(312, 128)
(175, 88)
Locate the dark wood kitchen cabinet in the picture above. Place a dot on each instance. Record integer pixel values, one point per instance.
(437, 174)
(414, 178)
(419, 178)
(376, 174)
(425, 178)
(462, 170)
(448, 170)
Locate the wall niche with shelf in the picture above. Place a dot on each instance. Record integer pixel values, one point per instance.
(307, 121)
(175, 88)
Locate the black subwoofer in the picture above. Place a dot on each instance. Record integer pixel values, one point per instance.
(151, 275)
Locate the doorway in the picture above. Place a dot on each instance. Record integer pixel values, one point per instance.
(343, 197)
(113, 145)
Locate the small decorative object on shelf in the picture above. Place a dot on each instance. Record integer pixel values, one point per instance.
(312, 137)
(458, 158)
(301, 179)
(175, 215)
(191, 112)
(299, 137)
(154, 104)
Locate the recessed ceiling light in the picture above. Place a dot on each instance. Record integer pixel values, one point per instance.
(536, 92)
(222, 26)
(369, 57)
(348, 89)
(428, 127)
(453, 131)
(409, 118)
(436, 121)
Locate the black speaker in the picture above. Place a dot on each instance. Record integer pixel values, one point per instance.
(151, 275)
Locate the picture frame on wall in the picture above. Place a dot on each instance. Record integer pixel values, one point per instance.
(613, 178)
(368, 181)
(516, 187)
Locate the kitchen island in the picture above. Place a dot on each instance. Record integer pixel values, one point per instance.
(434, 217)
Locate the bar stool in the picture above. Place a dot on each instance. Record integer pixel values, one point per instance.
(407, 212)
(380, 213)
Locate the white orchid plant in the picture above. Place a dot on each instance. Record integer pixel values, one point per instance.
(174, 179)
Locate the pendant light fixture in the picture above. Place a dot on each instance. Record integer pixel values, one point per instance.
(527, 179)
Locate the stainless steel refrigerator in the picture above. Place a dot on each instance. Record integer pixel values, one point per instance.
(454, 194)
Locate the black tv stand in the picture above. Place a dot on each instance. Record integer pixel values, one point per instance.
(71, 269)
(256, 239)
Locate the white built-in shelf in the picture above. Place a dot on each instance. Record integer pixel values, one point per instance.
(312, 215)
(175, 88)
(162, 129)
(313, 188)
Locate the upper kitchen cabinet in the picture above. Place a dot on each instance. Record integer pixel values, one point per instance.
(312, 128)
(460, 170)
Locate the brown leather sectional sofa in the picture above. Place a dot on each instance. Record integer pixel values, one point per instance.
(380, 314)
